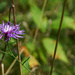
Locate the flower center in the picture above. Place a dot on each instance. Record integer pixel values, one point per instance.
(7, 29)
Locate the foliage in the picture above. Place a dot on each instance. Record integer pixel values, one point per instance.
(29, 13)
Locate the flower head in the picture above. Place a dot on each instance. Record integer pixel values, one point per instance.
(8, 30)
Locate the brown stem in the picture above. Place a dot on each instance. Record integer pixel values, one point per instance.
(19, 57)
(58, 36)
(13, 6)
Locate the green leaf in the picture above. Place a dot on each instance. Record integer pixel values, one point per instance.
(68, 22)
(49, 45)
(40, 22)
(26, 64)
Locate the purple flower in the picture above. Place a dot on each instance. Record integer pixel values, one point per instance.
(8, 30)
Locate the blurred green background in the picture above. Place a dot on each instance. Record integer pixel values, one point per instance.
(41, 49)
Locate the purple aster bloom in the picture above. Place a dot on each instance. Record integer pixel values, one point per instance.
(8, 30)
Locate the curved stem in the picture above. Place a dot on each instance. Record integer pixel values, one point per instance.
(58, 36)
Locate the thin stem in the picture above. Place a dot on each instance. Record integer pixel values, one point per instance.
(19, 57)
(13, 7)
(58, 36)
(2, 66)
(36, 32)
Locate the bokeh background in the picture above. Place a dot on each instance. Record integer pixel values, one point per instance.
(44, 24)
